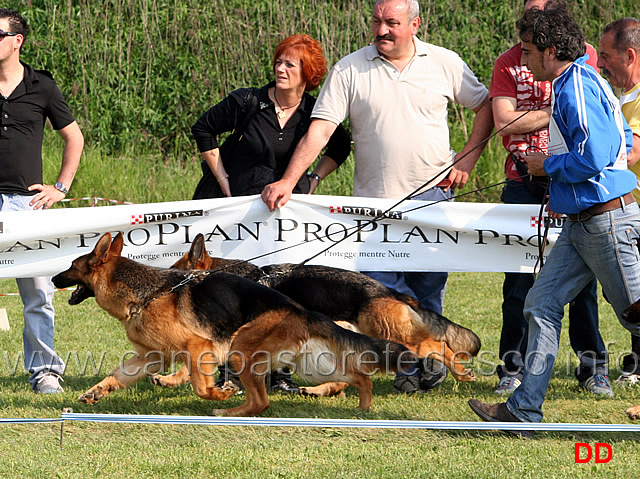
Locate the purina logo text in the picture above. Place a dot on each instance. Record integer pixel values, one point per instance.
(161, 217)
(365, 211)
(548, 222)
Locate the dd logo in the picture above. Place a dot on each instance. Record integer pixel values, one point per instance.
(590, 452)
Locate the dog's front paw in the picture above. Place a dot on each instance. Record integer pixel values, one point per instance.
(634, 412)
(466, 376)
(320, 391)
(307, 392)
(92, 396)
(158, 380)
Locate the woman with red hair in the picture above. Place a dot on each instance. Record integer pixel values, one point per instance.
(271, 120)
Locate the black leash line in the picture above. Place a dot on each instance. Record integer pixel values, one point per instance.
(542, 237)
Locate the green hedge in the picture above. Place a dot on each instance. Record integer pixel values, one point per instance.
(137, 73)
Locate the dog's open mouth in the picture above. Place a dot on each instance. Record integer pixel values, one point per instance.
(81, 293)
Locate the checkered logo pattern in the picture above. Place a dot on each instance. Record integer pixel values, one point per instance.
(335, 209)
(535, 221)
(137, 219)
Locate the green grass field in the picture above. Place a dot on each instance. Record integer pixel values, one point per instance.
(94, 342)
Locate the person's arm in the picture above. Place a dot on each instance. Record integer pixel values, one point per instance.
(73, 145)
(482, 126)
(275, 195)
(337, 152)
(590, 131)
(634, 154)
(509, 121)
(325, 166)
(212, 158)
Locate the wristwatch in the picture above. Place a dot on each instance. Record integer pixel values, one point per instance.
(315, 176)
(61, 188)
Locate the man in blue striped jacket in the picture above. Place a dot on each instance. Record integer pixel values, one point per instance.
(590, 183)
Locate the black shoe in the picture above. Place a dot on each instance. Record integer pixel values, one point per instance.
(497, 413)
(431, 374)
(283, 384)
(407, 385)
(434, 373)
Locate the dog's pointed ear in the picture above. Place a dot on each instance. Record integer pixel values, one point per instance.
(116, 245)
(197, 250)
(99, 253)
(200, 259)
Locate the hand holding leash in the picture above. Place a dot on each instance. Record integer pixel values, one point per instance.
(535, 163)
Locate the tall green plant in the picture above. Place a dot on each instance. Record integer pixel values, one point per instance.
(138, 73)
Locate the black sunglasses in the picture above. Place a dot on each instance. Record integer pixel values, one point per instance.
(7, 34)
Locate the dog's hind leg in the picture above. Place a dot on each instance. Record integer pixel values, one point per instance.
(132, 371)
(256, 394)
(252, 371)
(325, 390)
(365, 390)
(182, 376)
(204, 363)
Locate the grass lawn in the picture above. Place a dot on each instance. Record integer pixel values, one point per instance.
(94, 343)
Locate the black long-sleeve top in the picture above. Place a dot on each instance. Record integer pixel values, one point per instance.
(265, 149)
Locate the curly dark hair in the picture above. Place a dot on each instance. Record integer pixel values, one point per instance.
(553, 28)
(17, 23)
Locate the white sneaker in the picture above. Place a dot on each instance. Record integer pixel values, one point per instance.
(49, 384)
(507, 385)
(628, 379)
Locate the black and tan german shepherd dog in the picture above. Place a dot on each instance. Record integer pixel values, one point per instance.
(352, 298)
(199, 317)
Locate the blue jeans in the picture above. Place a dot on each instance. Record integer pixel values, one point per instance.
(605, 246)
(584, 334)
(37, 298)
(427, 287)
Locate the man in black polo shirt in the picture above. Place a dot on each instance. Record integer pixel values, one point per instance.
(27, 98)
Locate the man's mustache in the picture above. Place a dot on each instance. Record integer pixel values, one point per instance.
(383, 37)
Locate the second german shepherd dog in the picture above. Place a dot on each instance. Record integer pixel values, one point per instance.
(353, 298)
(199, 317)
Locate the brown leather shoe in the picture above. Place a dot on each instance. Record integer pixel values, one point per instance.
(497, 413)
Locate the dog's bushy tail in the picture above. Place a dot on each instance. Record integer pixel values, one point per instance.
(457, 337)
(371, 355)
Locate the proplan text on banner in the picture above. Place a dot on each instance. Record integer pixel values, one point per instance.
(414, 236)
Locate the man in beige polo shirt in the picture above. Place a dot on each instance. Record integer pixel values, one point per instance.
(395, 93)
(619, 62)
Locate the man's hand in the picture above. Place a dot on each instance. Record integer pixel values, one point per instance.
(459, 174)
(552, 214)
(46, 198)
(535, 163)
(275, 195)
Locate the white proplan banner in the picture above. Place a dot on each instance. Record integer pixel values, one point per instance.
(363, 234)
